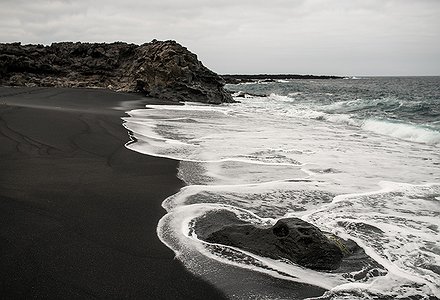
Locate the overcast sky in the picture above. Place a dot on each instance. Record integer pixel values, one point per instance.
(340, 37)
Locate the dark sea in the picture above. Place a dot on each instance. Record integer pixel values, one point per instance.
(356, 157)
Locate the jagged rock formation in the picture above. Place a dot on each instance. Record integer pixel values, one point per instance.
(164, 70)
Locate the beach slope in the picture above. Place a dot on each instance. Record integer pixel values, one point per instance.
(79, 211)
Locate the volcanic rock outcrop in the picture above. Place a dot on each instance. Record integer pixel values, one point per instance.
(161, 69)
(290, 238)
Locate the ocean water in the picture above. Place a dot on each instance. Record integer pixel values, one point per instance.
(359, 158)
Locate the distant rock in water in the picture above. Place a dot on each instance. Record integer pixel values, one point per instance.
(161, 69)
(268, 78)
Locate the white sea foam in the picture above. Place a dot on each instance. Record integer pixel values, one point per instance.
(402, 234)
(401, 242)
(407, 132)
(340, 113)
(226, 134)
(271, 157)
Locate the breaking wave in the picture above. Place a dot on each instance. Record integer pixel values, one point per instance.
(354, 113)
(413, 133)
(365, 169)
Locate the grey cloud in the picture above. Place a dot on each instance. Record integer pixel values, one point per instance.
(353, 37)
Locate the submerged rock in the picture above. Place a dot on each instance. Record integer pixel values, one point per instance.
(162, 69)
(290, 238)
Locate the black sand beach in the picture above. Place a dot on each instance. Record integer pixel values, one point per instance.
(78, 211)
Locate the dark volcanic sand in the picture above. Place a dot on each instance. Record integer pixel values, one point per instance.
(79, 211)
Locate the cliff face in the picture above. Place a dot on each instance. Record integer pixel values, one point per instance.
(165, 70)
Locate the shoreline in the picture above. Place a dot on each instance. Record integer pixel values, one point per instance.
(237, 282)
(79, 210)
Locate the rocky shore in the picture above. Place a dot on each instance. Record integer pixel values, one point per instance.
(160, 69)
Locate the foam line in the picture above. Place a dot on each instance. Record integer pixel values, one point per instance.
(276, 156)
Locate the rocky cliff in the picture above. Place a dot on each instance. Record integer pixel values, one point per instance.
(161, 69)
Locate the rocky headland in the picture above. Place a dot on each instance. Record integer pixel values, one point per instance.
(160, 69)
(242, 78)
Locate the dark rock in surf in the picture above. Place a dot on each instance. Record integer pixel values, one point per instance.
(161, 69)
(290, 238)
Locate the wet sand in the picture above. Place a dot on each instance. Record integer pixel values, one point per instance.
(79, 211)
